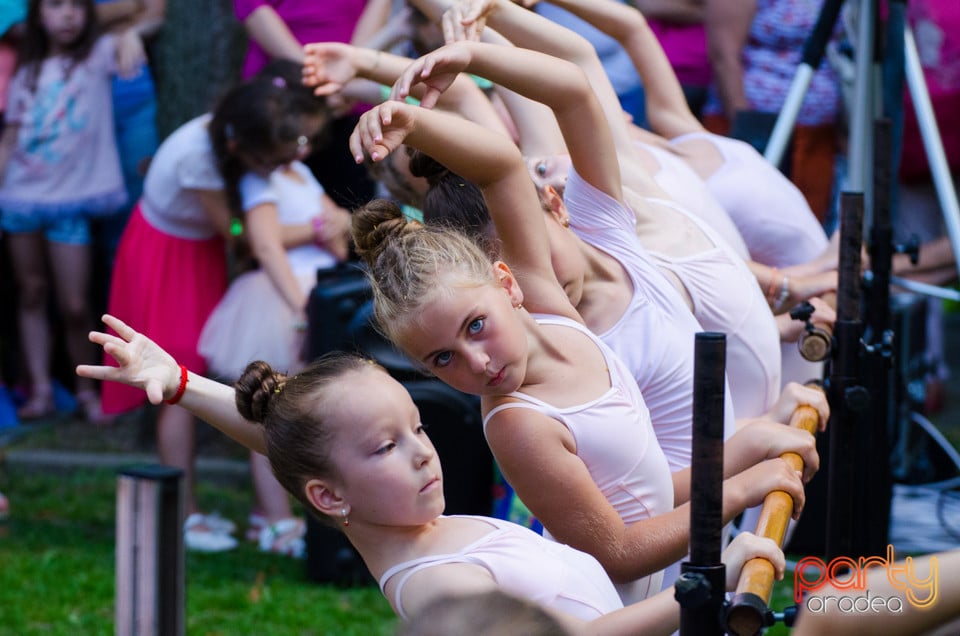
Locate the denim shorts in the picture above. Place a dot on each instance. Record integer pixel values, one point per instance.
(74, 230)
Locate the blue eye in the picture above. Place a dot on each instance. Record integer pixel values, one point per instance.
(475, 327)
(443, 359)
(541, 168)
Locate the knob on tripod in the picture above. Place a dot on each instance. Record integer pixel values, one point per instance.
(816, 341)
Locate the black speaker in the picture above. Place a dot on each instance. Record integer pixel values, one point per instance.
(334, 300)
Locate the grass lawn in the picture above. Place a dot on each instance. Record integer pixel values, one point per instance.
(57, 570)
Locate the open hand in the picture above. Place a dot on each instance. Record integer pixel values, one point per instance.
(328, 66)
(436, 71)
(141, 362)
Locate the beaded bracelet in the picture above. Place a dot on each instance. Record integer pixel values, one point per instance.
(180, 389)
(784, 294)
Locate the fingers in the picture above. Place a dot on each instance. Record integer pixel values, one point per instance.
(124, 331)
(367, 136)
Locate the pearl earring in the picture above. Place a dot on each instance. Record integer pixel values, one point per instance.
(343, 511)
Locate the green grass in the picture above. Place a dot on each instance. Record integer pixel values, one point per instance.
(57, 570)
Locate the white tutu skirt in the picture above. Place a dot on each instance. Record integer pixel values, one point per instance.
(252, 322)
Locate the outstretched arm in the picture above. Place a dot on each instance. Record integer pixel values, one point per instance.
(144, 365)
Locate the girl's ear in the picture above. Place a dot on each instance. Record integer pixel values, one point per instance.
(508, 281)
(324, 497)
(554, 205)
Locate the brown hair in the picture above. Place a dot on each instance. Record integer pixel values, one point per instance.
(408, 261)
(291, 411)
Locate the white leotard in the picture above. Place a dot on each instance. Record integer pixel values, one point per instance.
(687, 188)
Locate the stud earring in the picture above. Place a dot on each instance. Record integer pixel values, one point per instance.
(343, 511)
(565, 222)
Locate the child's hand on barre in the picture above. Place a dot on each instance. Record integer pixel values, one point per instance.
(794, 395)
(142, 363)
(750, 487)
(746, 546)
(767, 439)
(436, 71)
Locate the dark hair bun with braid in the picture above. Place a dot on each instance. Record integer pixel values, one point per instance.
(256, 389)
(425, 166)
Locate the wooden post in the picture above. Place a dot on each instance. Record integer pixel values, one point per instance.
(150, 553)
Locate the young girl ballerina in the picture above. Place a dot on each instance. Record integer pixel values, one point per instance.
(176, 240)
(563, 417)
(346, 439)
(59, 168)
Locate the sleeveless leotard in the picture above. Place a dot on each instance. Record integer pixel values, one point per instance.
(773, 216)
(727, 298)
(655, 335)
(687, 188)
(525, 564)
(616, 442)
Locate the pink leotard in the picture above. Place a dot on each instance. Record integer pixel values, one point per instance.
(527, 565)
(727, 298)
(655, 335)
(687, 188)
(773, 216)
(616, 442)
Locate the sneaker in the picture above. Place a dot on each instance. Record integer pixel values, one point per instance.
(199, 537)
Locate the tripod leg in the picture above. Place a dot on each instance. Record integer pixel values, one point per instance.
(813, 50)
(932, 143)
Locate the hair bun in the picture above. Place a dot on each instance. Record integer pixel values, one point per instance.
(375, 225)
(258, 385)
(425, 166)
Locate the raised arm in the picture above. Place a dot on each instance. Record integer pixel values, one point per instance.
(329, 66)
(546, 79)
(490, 161)
(667, 109)
(144, 365)
(538, 33)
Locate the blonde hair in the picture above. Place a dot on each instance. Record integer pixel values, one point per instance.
(408, 262)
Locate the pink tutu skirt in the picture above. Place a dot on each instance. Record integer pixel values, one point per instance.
(164, 287)
(253, 322)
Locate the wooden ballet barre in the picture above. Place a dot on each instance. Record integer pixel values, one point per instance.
(748, 612)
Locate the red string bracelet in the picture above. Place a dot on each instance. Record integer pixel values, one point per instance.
(180, 389)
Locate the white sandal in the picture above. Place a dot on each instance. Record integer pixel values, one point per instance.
(284, 537)
(198, 535)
